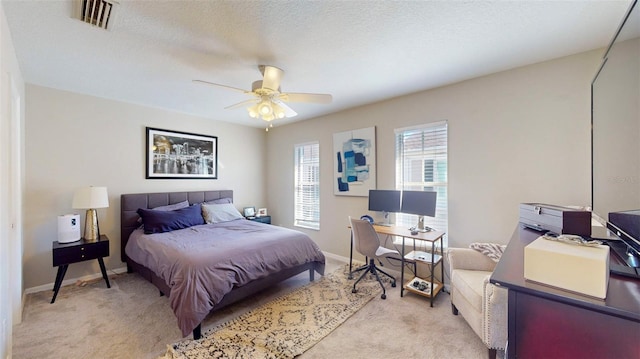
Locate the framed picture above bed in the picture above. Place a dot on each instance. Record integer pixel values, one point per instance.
(173, 154)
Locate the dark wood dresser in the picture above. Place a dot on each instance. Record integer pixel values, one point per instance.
(546, 322)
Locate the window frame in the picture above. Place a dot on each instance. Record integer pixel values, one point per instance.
(308, 218)
(438, 155)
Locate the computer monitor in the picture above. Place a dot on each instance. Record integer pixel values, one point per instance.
(384, 201)
(422, 203)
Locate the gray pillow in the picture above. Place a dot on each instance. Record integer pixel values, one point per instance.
(172, 207)
(220, 201)
(218, 213)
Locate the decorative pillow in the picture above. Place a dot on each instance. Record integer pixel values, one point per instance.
(491, 250)
(217, 213)
(169, 207)
(155, 221)
(220, 201)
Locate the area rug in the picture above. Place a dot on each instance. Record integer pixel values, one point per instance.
(286, 326)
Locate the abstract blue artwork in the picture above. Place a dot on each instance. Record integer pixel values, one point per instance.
(355, 162)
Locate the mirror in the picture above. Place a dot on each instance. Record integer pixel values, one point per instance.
(615, 123)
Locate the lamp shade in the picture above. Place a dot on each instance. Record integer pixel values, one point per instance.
(90, 197)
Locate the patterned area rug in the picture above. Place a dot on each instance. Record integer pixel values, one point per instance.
(286, 326)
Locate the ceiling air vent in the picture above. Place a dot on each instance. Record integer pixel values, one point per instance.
(98, 13)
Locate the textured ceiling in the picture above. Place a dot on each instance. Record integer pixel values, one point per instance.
(358, 51)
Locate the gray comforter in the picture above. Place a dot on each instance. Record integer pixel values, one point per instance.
(203, 263)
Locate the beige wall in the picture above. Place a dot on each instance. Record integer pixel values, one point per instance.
(11, 162)
(616, 180)
(75, 140)
(517, 136)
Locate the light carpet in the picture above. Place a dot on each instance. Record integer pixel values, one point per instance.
(132, 321)
(285, 327)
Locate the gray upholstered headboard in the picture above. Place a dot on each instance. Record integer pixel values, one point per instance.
(129, 204)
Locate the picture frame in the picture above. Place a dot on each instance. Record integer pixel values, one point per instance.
(262, 212)
(354, 156)
(249, 212)
(180, 155)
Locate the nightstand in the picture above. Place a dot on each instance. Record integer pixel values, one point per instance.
(78, 251)
(262, 219)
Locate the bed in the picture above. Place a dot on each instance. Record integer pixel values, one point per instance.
(205, 267)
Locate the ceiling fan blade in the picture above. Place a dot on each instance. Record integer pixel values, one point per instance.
(243, 103)
(271, 78)
(220, 85)
(306, 97)
(288, 112)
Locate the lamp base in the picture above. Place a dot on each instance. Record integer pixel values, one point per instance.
(91, 230)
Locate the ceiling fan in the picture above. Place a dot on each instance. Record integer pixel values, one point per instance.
(267, 101)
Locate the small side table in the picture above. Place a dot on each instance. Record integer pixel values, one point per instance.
(78, 251)
(263, 219)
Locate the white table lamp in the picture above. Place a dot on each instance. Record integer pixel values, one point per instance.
(90, 198)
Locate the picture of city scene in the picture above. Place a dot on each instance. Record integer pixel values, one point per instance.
(172, 154)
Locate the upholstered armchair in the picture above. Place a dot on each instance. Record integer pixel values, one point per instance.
(482, 304)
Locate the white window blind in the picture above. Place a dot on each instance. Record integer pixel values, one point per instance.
(307, 186)
(421, 165)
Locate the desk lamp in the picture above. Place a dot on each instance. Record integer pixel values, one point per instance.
(90, 198)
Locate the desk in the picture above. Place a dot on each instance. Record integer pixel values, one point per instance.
(547, 322)
(431, 236)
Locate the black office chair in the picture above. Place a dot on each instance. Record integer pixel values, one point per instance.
(367, 243)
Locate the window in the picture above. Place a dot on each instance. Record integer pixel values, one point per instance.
(307, 186)
(421, 165)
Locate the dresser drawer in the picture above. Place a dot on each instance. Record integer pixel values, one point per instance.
(78, 252)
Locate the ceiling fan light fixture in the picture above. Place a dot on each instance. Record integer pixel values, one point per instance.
(253, 111)
(268, 118)
(278, 111)
(265, 108)
(268, 102)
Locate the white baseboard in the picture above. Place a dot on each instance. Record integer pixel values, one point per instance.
(49, 286)
(345, 260)
(336, 257)
(121, 270)
(392, 271)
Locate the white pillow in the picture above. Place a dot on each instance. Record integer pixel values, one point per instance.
(218, 213)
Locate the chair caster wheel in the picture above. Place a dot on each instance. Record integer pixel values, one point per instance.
(354, 290)
(349, 276)
(393, 284)
(383, 296)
